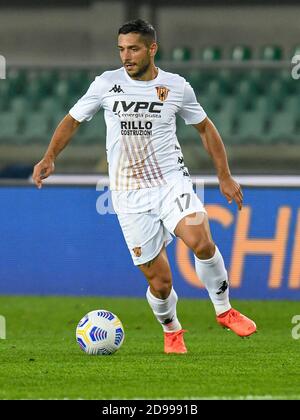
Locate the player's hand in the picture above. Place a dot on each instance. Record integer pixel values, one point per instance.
(232, 191)
(42, 170)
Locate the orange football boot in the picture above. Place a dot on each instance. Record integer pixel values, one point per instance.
(174, 342)
(237, 322)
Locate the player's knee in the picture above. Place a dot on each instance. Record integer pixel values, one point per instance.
(204, 249)
(161, 286)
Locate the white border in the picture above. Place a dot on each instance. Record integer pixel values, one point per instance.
(244, 180)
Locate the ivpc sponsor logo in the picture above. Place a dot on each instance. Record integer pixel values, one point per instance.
(2, 67)
(136, 107)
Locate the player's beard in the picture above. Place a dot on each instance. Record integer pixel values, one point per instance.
(141, 71)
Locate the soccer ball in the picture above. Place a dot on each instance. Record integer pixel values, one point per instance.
(100, 332)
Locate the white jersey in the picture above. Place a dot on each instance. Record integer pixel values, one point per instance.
(141, 143)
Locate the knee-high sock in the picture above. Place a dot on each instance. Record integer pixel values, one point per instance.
(165, 310)
(213, 274)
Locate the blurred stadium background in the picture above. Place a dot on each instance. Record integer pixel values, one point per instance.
(237, 56)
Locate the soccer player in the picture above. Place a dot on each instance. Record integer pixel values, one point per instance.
(151, 188)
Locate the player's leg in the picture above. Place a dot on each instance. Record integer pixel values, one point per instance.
(184, 215)
(160, 294)
(194, 230)
(162, 299)
(146, 238)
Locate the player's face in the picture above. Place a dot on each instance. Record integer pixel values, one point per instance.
(135, 55)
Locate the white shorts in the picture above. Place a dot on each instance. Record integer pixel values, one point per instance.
(146, 232)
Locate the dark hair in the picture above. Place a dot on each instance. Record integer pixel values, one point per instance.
(141, 27)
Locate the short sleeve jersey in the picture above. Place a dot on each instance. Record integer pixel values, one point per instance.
(142, 148)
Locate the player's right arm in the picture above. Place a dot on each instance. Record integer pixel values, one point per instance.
(83, 110)
(61, 137)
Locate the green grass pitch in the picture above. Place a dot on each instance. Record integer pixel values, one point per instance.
(40, 358)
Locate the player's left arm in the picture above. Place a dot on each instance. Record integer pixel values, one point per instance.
(214, 146)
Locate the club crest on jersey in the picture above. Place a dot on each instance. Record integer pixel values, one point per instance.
(137, 251)
(162, 92)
